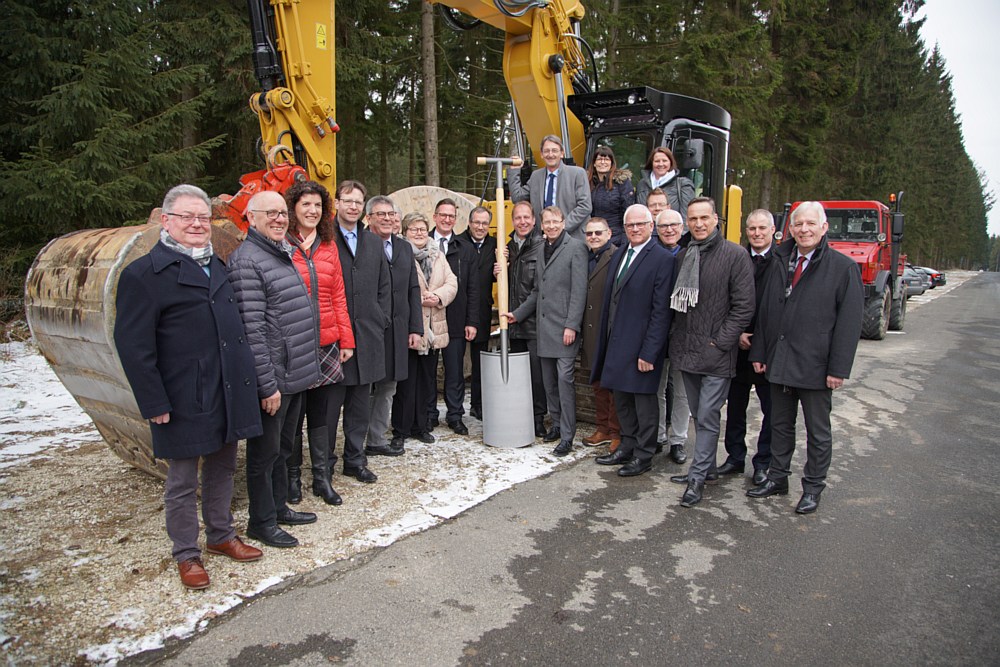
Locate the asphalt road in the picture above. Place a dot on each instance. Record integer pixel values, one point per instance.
(899, 566)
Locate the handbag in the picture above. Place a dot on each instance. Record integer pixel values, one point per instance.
(331, 371)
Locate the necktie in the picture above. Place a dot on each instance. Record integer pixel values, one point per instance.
(550, 191)
(798, 271)
(628, 260)
(388, 250)
(443, 245)
(352, 242)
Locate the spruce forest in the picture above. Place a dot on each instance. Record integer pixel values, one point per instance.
(110, 103)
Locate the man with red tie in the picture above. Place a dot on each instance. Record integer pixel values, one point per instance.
(807, 333)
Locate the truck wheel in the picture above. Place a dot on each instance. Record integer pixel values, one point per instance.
(897, 314)
(875, 321)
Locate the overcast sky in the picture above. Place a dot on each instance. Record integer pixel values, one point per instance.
(966, 31)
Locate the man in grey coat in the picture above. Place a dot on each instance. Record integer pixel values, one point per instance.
(558, 300)
(558, 184)
(281, 329)
(713, 300)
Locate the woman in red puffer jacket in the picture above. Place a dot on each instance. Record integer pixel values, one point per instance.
(311, 233)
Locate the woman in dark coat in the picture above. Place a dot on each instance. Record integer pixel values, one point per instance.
(182, 346)
(661, 172)
(611, 191)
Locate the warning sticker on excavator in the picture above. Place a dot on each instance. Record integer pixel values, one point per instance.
(321, 36)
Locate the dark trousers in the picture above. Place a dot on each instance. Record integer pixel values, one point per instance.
(409, 405)
(816, 406)
(267, 472)
(476, 391)
(180, 500)
(538, 400)
(736, 423)
(453, 357)
(355, 401)
(638, 414)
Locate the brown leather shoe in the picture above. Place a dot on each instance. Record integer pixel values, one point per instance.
(235, 549)
(599, 438)
(614, 445)
(193, 573)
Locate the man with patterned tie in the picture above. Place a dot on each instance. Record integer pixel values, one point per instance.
(557, 184)
(807, 332)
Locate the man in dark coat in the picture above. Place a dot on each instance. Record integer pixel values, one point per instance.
(806, 335)
(760, 234)
(713, 298)
(635, 322)
(281, 328)
(558, 300)
(462, 313)
(598, 234)
(405, 326)
(367, 284)
(181, 343)
(478, 234)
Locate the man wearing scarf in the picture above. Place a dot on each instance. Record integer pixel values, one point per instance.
(182, 345)
(713, 300)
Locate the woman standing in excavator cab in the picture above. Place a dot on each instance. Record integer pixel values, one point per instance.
(610, 190)
(661, 172)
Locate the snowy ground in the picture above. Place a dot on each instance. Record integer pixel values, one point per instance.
(85, 567)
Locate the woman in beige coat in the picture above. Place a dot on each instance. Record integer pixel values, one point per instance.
(438, 287)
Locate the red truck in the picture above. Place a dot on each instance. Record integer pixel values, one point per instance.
(870, 233)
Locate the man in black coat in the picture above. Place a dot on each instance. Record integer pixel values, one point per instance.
(478, 234)
(182, 346)
(462, 313)
(806, 335)
(760, 234)
(405, 326)
(367, 284)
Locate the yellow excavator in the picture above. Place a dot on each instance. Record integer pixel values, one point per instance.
(70, 289)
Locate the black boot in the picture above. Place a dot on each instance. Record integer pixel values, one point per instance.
(319, 452)
(294, 486)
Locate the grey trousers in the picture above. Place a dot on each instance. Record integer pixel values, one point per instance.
(180, 500)
(560, 393)
(706, 394)
(680, 412)
(381, 404)
(816, 407)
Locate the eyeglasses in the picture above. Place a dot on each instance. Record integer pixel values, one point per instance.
(480, 223)
(272, 214)
(551, 223)
(446, 216)
(635, 225)
(602, 157)
(188, 219)
(597, 232)
(382, 215)
(356, 203)
(552, 151)
(416, 230)
(665, 225)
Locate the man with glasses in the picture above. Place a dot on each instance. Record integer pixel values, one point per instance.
(478, 235)
(281, 329)
(462, 313)
(405, 325)
(631, 345)
(598, 234)
(557, 184)
(178, 288)
(367, 284)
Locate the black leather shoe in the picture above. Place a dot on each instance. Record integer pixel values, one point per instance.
(433, 422)
(563, 448)
(293, 518)
(807, 503)
(362, 474)
(552, 435)
(615, 459)
(683, 479)
(759, 476)
(272, 536)
(730, 468)
(634, 467)
(692, 494)
(677, 454)
(383, 450)
(426, 438)
(323, 489)
(539, 429)
(769, 488)
(458, 427)
(476, 413)
(294, 486)
(397, 443)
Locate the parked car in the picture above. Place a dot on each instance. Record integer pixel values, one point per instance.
(937, 278)
(916, 282)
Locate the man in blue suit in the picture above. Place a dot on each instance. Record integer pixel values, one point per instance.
(635, 321)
